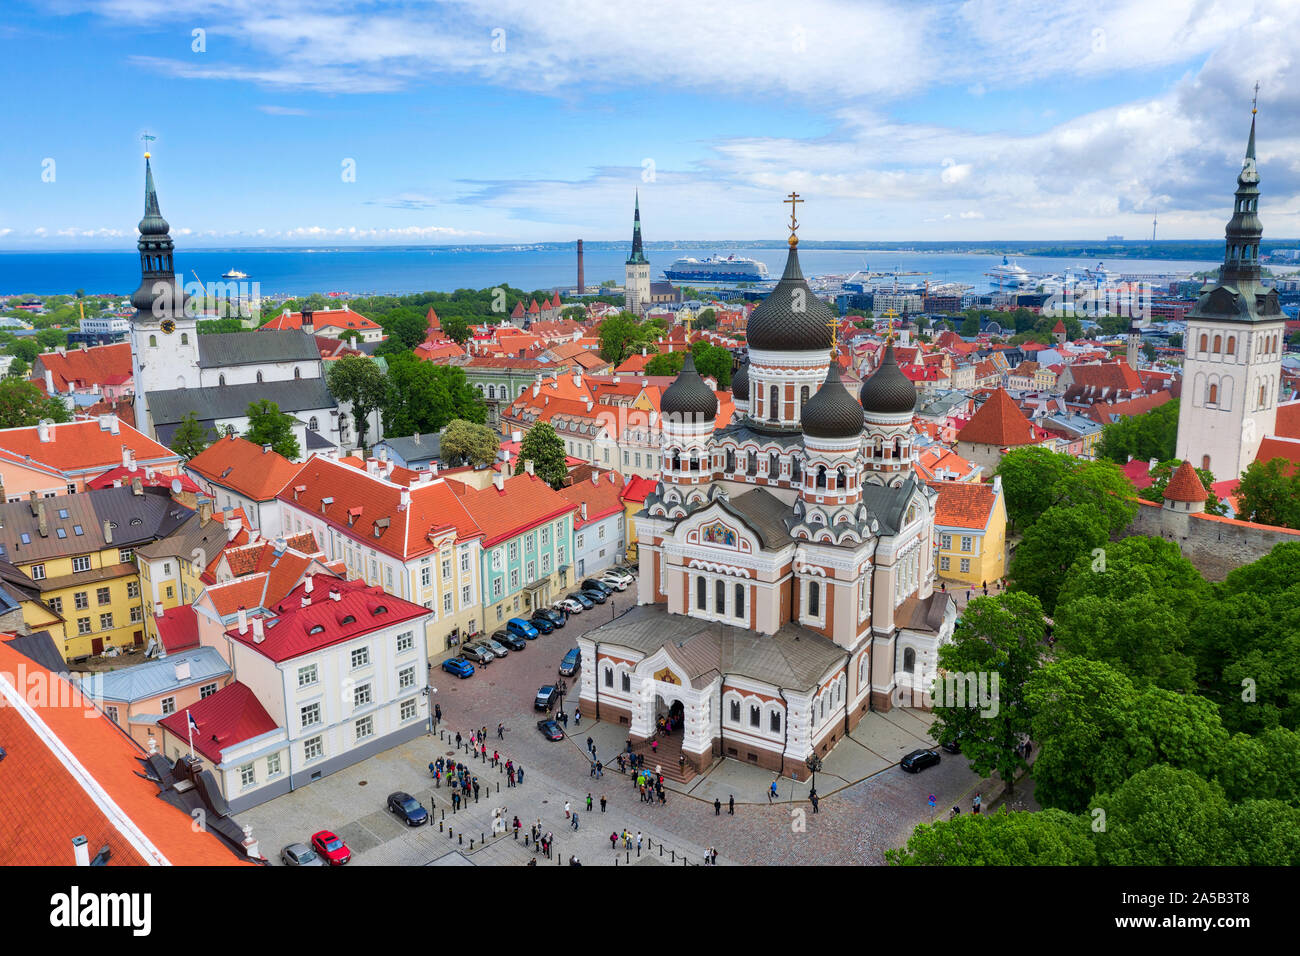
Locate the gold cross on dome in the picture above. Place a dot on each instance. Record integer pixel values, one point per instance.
(793, 199)
(1254, 103)
(834, 326)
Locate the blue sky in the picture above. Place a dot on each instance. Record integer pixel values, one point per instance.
(521, 121)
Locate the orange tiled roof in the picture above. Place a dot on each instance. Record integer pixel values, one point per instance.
(603, 497)
(1272, 447)
(524, 502)
(323, 319)
(64, 771)
(82, 368)
(1288, 420)
(963, 504)
(242, 466)
(84, 446)
(1185, 485)
(998, 422)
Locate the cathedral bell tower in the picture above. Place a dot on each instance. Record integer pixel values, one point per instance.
(164, 336)
(1234, 344)
(636, 284)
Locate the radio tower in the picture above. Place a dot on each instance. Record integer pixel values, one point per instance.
(1153, 225)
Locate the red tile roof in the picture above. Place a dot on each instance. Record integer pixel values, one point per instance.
(67, 775)
(1271, 447)
(1139, 472)
(178, 628)
(638, 488)
(963, 504)
(524, 502)
(225, 719)
(323, 319)
(1185, 485)
(148, 478)
(292, 630)
(244, 467)
(83, 368)
(84, 446)
(603, 497)
(1288, 420)
(999, 422)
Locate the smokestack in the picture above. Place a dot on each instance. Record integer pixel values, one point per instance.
(80, 852)
(308, 322)
(108, 531)
(581, 286)
(259, 635)
(243, 621)
(49, 375)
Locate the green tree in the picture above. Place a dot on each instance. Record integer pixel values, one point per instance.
(545, 450)
(998, 644)
(267, 425)
(621, 336)
(1029, 477)
(26, 349)
(456, 328)
(1269, 493)
(1051, 545)
(1163, 816)
(191, 437)
(469, 442)
(23, 404)
(1148, 436)
(1048, 838)
(1161, 474)
(424, 397)
(710, 360)
(970, 326)
(359, 382)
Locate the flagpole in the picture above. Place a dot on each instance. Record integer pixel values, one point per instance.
(189, 726)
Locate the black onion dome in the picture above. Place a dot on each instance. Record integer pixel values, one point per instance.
(153, 224)
(791, 318)
(689, 395)
(740, 383)
(832, 412)
(888, 391)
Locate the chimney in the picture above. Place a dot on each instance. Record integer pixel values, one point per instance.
(577, 377)
(405, 499)
(499, 481)
(243, 620)
(80, 852)
(182, 670)
(114, 426)
(584, 511)
(205, 513)
(308, 583)
(31, 500)
(49, 382)
(266, 449)
(259, 635)
(44, 432)
(528, 467)
(1152, 464)
(581, 286)
(157, 609)
(108, 531)
(306, 600)
(308, 322)
(43, 523)
(137, 486)
(126, 457)
(336, 595)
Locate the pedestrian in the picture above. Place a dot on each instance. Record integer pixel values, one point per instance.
(482, 734)
(932, 801)
(476, 789)
(708, 857)
(600, 769)
(592, 771)
(455, 801)
(458, 740)
(956, 811)
(564, 718)
(638, 841)
(771, 793)
(566, 809)
(575, 821)
(976, 803)
(654, 746)
(437, 712)
(663, 799)
(713, 856)
(602, 803)
(681, 761)
(591, 746)
(577, 717)
(496, 759)
(943, 586)
(717, 807)
(731, 805)
(588, 802)
(520, 773)
(613, 837)
(501, 731)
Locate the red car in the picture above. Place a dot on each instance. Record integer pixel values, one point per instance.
(331, 848)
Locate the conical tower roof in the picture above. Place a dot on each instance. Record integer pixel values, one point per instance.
(152, 224)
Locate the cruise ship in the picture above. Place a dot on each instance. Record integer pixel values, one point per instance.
(1010, 276)
(717, 269)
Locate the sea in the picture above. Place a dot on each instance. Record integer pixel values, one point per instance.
(393, 270)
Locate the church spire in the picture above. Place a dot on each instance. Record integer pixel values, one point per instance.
(157, 294)
(638, 256)
(1244, 231)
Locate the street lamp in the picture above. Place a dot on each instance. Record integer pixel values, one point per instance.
(563, 688)
(814, 763)
(428, 692)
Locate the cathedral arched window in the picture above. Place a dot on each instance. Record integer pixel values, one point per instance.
(1204, 341)
(221, 379)
(259, 376)
(909, 660)
(731, 460)
(313, 424)
(695, 461)
(185, 338)
(821, 476)
(814, 599)
(796, 470)
(153, 341)
(677, 460)
(1205, 462)
(1232, 345)
(719, 597)
(297, 372)
(740, 600)
(898, 447)
(841, 479)
(1218, 344)
(1213, 396)
(773, 465)
(774, 406)
(752, 463)
(1262, 393)
(701, 593)
(803, 396)
(230, 430)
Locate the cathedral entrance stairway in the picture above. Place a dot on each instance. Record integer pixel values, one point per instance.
(668, 757)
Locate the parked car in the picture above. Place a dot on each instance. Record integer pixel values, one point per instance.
(572, 661)
(551, 614)
(595, 584)
(496, 647)
(586, 602)
(521, 628)
(408, 808)
(918, 760)
(458, 666)
(510, 640)
(570, 604)
(550, 729)
(546, 697)
(543, 624)
(595, 595)
(619, 573)
(477, 653)
(952, 748)
(299, 854)
(334, 850)
(613, 581)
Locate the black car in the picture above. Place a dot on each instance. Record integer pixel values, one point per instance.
(543, 624)
(596, 584)
(582, 599)
(546, 697)
(918, 760)
(510, 640)
(952, 748)
(408, 808)
(556, 618)
(595, 595)
(550, 730)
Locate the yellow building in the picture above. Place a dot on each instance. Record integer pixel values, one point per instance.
(970, 527)
(171, 568)
(79, 550)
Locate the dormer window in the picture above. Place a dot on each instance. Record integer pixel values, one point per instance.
(317, 629)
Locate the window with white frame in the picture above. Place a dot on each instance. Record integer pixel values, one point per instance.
(110, 712)
(446, 568)
(465, 594)
(168, 705)
(407, 709)
(546, 536)
(307, 675)
(361, 696)
(446, 603)
(514, 550)
(514, 579)
(426, 576)
(529, 544)
(944, 563)
(81, 564)
(966, 542)
(464, 562)
(945, 541)
(406, 678)
(313, 749)
(498, 557)
(37, 572)
(365, 727)
(309, 715)
(133, 590)
(247, 777)
(546, 563)
(360, 657)
(273, 765)
(207, 690)
(137, 614)
(965, 565)
(498, 589)
(405, 641)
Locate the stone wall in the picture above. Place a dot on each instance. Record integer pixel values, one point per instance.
(1214, 546)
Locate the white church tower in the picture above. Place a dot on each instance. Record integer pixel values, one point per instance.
(164, 337)
(1234, 343)
(636, 284)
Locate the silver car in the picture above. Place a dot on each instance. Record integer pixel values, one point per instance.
(496, 647)
(300, 854)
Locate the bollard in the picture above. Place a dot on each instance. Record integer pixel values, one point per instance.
(439, 826)
(661, 849)
(461, 840)
(482, 838)
(674, 857)
(471, 844)
(629, 856)
(450, 833)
